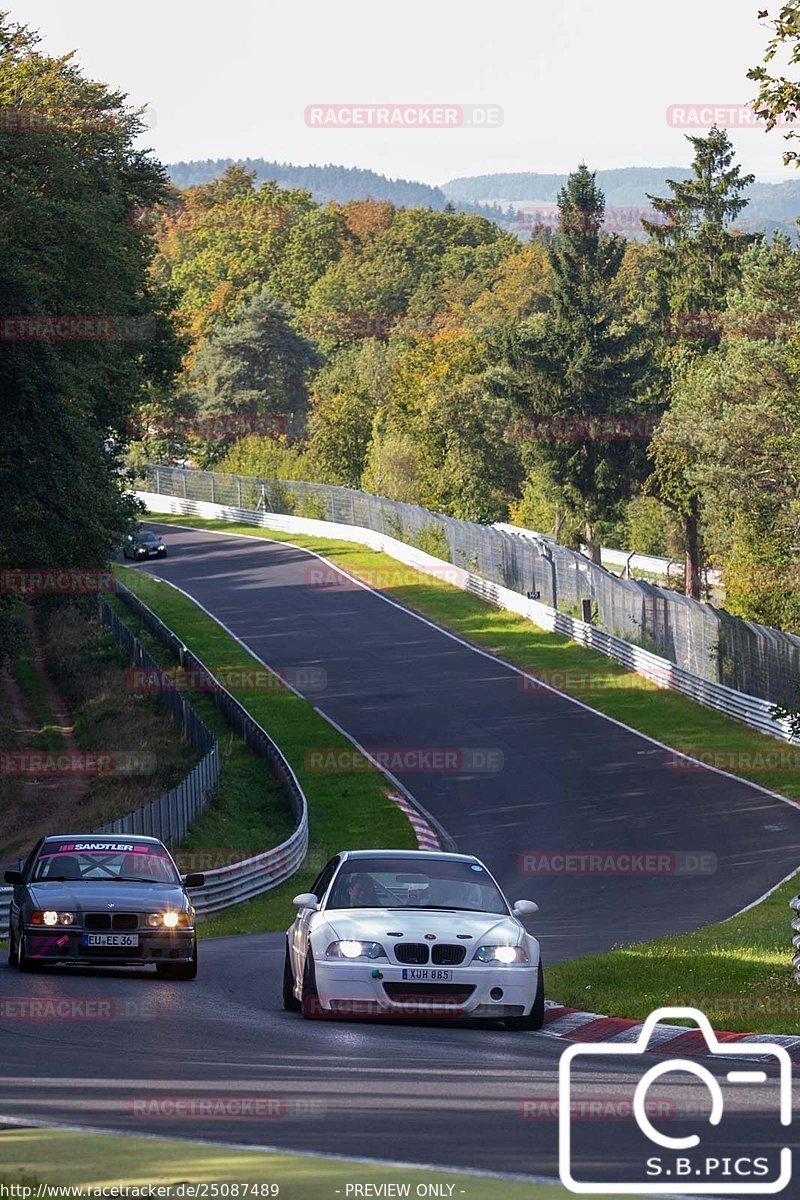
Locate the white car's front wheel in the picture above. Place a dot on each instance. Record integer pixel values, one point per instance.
(311, 1009)
(290, 1001)
(535, 1018)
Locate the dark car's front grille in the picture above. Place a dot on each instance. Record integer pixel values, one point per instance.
(110, 921)
(413, 993)
(411, 952)
(448, 956)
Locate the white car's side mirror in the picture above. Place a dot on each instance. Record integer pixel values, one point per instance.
(525, 908)
(306, 900)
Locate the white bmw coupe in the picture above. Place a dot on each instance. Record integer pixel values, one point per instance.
(394, 933)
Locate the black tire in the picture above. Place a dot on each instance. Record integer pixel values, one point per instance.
(535, 1018)
(162, 554)
(24, 962)
(179, 970)
(311, 1009)
(290, 1001)
(12, 949)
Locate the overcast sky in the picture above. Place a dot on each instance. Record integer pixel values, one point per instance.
(575, 79)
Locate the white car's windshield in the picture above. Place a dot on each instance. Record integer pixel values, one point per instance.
(447, 884)
(69, 862)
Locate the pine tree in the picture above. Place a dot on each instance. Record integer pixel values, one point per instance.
(581, 372)
(700, 261)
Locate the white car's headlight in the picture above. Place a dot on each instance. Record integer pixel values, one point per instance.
(352, 949)
(505, 955)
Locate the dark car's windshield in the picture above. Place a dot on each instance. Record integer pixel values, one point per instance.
(411, 883)
(87, 862)
(149, 538)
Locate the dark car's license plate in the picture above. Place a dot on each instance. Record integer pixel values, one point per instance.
(122, 940)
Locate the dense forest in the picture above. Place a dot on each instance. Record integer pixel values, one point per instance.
(634, 391)
(507, 199)
(333, 182)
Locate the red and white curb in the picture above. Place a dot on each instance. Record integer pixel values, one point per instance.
(427, 837)
(576, 1026)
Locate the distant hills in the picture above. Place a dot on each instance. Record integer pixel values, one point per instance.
(501, 197)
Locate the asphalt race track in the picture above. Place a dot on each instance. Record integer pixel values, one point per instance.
(432, 1094)
(571, 780)
(456, 1096)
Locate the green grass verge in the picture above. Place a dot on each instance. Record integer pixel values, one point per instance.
(249, 811)
(737, 972)
(62, 1157)
(740, 968)
(347, 810)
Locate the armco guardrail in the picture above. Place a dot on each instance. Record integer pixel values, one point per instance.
(698, 637)
(230, 885)
(795, 907)
(169, 816)
(750, 709)
(5, 905)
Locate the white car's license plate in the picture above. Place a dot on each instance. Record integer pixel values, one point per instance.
(123, 940)
(427, 975)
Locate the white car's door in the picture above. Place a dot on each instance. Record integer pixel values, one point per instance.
(302, 922)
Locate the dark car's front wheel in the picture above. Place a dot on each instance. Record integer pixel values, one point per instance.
(24, 960)
(12, 949)
(179, 970)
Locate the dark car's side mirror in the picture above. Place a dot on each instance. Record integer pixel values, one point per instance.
(14, 877)
(195, 880)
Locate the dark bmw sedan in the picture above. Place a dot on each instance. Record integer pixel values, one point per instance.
(143, 544)
(110, 900)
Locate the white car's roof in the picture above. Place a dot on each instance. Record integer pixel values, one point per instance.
(421, 854)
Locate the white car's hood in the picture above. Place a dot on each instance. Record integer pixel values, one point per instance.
(375, 924)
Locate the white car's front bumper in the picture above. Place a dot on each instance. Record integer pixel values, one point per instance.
(378, 988)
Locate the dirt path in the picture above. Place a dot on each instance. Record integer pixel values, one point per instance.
(34, 804)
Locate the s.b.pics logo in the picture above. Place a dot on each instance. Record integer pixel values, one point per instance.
(725, 1129)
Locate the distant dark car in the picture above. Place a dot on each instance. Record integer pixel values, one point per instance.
(143, 544)
(102, 899)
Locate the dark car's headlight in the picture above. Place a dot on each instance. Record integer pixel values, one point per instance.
(50, 917)
(352, 949)
(168, 920)
(505, 956)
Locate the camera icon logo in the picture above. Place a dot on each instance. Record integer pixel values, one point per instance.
(680, 1165)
